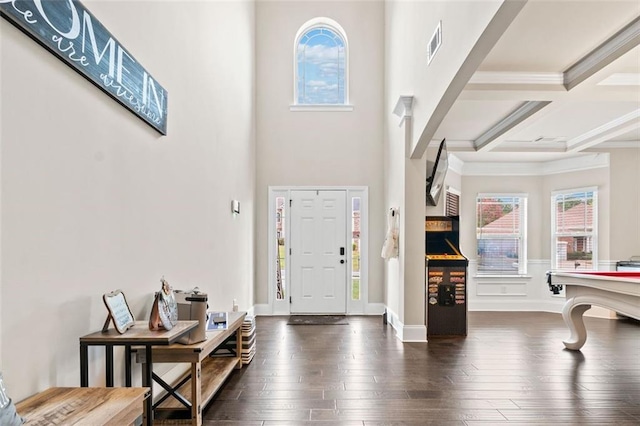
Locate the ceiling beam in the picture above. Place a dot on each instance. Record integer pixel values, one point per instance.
(505, 15)
(511, 80)
(489, 139)
(607, 131)
(617, 45)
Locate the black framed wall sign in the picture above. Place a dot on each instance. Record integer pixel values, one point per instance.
(69, 31)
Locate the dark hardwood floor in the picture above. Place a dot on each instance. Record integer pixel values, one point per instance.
(512, 369)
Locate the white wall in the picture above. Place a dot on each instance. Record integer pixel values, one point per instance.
(94, 200)
(531, 292)
(624, 229)
(341, 148)
(408, 28)
(1, 102)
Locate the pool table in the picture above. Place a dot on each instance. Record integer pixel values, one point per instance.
(618, 291)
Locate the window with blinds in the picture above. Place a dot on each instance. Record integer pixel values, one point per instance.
(573, 228)
(501, 223)
(452, 204)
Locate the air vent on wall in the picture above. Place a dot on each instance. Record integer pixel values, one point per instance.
(434, 43)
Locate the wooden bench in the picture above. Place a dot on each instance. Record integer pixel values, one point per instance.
(84, 406)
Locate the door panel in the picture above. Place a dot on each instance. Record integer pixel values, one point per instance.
(318, 231)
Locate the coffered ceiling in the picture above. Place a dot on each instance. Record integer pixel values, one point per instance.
(562, 80)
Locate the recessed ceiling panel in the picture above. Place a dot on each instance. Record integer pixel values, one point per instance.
(510, 157)
(550, 36)
(467, 120)
(572, 119)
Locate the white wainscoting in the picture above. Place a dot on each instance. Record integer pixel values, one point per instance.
(502, 288)
(522, 293)
(529, 292)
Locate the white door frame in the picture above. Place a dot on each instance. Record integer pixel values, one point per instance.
(282, 307)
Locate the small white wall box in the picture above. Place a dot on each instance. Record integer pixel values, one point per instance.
(235, 206)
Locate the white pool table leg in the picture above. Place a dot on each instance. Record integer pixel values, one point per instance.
(572, 314)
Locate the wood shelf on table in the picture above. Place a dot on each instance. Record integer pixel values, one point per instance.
(215, 370)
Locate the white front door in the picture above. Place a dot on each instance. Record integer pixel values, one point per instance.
(318, 252)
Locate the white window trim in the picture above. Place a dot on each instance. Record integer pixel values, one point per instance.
(594, 259)
(354, 307)
(320, 108)
(524, 225)
(337, 28)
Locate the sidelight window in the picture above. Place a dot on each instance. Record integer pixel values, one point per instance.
(355, 248)
(280, 268)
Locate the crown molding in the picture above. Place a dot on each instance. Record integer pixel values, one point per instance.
(620, 144)
(517, 116)
(617, 45)
(613, 128)
(575, 164)
(519, 78)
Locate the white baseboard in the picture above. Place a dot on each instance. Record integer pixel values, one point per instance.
(264, 309)
(518, 306)
(542, 306)
(251, 312)
(374, 309)
(413, 333)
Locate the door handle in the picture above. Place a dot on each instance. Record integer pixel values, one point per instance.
(341, 251)
(341, 260)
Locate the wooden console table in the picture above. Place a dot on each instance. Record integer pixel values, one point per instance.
(207, 374)
(84, 406)
(138, 335)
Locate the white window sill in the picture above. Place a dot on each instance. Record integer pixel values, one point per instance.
(323, 108)
(526, 277)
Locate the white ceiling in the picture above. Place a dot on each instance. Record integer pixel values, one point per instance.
(530, 64)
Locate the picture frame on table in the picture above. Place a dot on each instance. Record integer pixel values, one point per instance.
(119, 312)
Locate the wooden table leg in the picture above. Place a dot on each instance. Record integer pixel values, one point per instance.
(572, 314)
(84, 365)
(196, 394)
(109, 365)
(239, 347)
(147, 381)
(127, 366)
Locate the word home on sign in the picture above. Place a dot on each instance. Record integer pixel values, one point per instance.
(68, 30)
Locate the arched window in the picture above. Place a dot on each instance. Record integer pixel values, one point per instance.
(321, 64)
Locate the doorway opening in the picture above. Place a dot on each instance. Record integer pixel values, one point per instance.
(318, 250)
